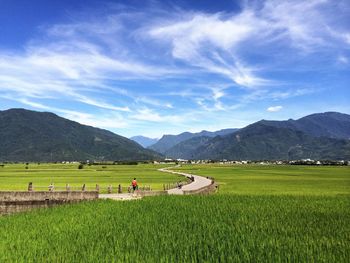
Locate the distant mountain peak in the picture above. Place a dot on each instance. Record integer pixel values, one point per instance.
(319, 135)
(169, 141)
(43, 136)
(143, 140)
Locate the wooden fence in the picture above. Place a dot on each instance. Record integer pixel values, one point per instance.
(110, 188)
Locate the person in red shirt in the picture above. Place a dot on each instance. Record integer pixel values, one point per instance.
(134, 184)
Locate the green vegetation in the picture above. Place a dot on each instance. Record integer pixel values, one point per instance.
(45, 137)
(224, 228)
(260, 141)
(276, 179)
(262, 214)
(17, 177)
(321, 136)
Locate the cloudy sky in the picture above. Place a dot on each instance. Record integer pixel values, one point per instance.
(164, 67)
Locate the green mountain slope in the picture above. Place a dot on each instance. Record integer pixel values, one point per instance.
(316, 136)
(187, 149)
(327, 124)
(42, 136)
(169, 141)
(263, 142)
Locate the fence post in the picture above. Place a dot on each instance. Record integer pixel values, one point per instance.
(109, 189)
(97, 188)
(67, 187)
(164, 187)
(83, 188)
(120, 189)
(30, 187)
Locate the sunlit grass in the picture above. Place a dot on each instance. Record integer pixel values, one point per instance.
(225, 228)
(17, 177)
(276, 179)
(261, 214)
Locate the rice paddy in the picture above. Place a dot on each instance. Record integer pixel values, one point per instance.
(276, 179)
(17, 176)
(302, 216)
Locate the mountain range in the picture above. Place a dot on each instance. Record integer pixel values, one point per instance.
(169, 141)
(45, 137)
(316, 136)
(144, 141)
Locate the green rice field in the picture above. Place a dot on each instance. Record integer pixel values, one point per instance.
(276, 179)
(261, 214)
(17, 177)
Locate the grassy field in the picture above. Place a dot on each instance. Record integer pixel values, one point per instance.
(262, 214)
(17, 177)
(219, 228)
(277, 180)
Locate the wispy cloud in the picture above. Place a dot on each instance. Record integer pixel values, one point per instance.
(146, 114)
(274, 108)
(108, 121)
(201, 38)
(126, 67)
(343, 60)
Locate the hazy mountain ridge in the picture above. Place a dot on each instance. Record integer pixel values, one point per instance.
(42, 136)
(328, 124)
(187, 149)
(318, 136)
(262, 142)
(169, 141)
(144, 141)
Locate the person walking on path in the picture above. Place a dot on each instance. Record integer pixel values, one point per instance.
(134, 184)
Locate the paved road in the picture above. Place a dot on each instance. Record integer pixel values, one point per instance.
(199, 182)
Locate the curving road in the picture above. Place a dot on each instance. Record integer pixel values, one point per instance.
(198, 183)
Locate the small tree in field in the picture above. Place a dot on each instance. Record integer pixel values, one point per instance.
(81, 166)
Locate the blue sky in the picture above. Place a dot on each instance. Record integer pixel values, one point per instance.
(164, 67)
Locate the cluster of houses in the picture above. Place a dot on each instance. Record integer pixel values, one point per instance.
(260, 162)
(224, 161)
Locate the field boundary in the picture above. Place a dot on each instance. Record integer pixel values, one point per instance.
(18, 201)
(13, 196)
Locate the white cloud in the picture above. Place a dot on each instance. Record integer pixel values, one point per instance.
(343, 60)
(108, 121)
(347, 38)
(188, 36)
(73, 60)
(274, 108)
(153, 67)
(198, 40)
(301, 22)
(213, 42)
(150, 115)
(153, 102)
(100, 104)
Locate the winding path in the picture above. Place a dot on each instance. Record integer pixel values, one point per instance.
(198, 183)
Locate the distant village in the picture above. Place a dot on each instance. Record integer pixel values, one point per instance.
(260, 162)
(183, 161)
